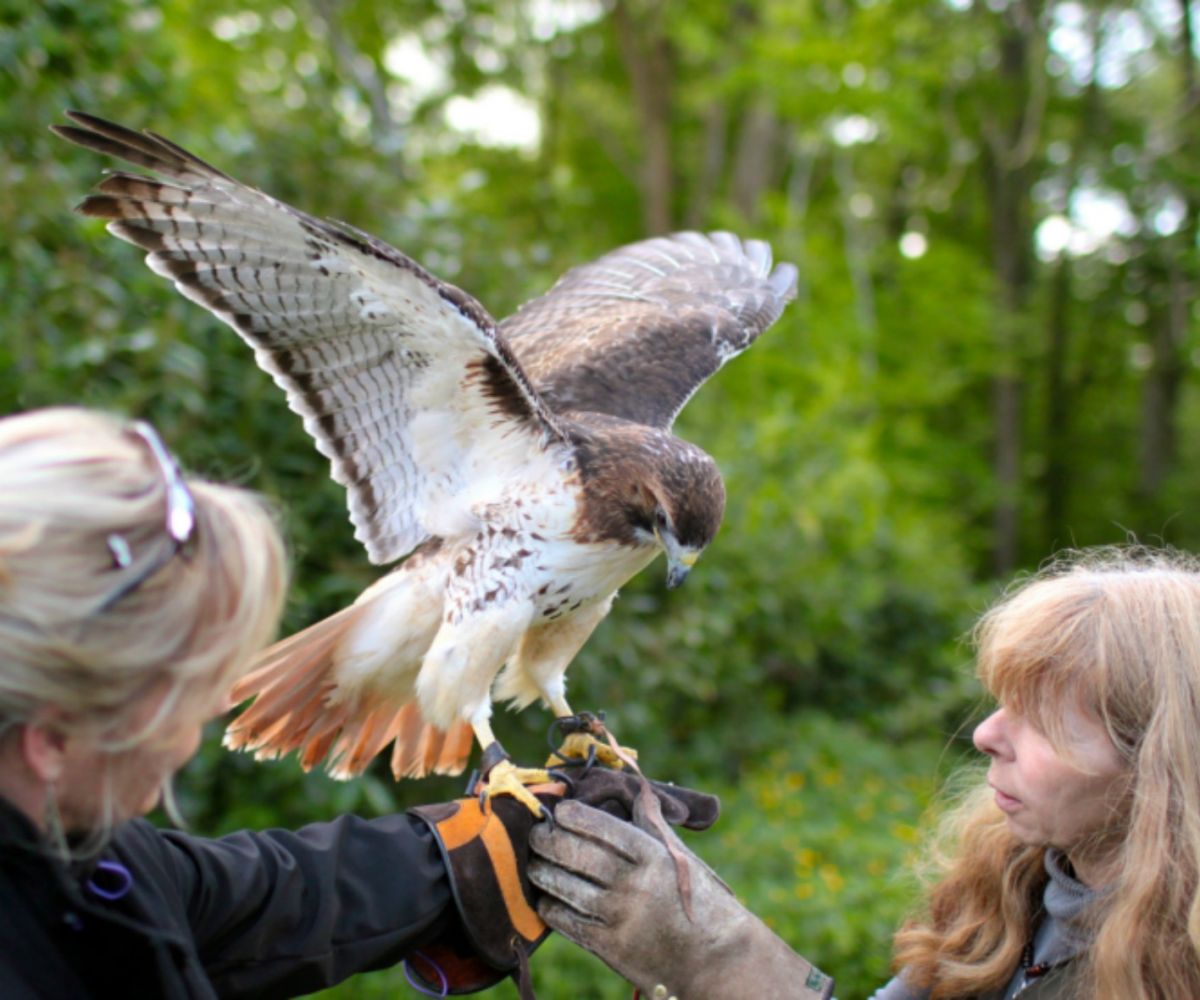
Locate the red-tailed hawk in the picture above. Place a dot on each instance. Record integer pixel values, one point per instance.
(526, 468)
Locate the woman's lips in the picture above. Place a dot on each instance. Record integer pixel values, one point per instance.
(1006, 802)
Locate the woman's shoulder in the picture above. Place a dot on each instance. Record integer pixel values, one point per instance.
(148, 852)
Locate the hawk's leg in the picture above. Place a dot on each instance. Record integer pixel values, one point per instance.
(587, 740)
(502, 777)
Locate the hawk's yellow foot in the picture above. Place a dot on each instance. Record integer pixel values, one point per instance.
(581, 746)
(588, 740)
(508, 779)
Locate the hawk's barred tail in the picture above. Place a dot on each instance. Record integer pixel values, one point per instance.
(422, 749)
(292, 712)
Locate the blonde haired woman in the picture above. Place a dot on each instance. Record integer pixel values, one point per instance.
(1071, 871)
(130, 600)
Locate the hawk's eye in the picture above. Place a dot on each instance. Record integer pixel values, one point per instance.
(660, 518)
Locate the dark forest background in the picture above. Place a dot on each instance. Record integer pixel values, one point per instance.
(993, 356)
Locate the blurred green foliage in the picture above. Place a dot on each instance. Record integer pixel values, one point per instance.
(866, 142)
(819, 837)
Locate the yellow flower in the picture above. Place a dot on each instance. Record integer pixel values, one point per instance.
(832, 878)
(831, 778)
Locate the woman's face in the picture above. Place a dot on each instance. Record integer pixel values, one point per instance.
(135, 777)
(1073, 800)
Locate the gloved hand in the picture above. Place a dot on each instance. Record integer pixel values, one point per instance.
(614, 888)
(486, 853)
(616, 792)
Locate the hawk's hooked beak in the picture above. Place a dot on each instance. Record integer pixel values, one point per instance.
(679, 565)
(680, 560)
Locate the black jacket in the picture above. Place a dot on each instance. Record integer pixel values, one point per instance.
(270, 914)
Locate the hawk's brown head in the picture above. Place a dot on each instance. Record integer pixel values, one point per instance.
(645, 487)
(683, 508)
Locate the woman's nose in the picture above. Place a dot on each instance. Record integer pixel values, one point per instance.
(989, 734)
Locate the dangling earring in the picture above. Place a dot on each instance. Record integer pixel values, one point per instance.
(52, 818)
(170, 804)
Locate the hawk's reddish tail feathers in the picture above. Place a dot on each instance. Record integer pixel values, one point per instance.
(291, 684)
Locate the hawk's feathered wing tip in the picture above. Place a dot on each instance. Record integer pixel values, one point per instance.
(259, 265)
(636, 332)
(146, 149)
(784, 281)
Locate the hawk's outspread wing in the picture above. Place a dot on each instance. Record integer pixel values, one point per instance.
(401, 378)
(533, 464)
(636, 333)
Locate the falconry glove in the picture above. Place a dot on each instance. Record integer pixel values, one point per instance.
(485, 848)
(616, 889)
(616, 793)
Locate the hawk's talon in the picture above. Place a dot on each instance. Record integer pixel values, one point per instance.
(591, 760)
(505, 778)
(562, 776)
(556, 759)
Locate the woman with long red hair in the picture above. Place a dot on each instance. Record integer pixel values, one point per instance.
(1070, 866)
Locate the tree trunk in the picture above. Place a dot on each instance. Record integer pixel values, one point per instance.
(712, 164)
(646, 52)
(1061, 390)
(1160, 393)
(799, 191)
(753, 167)
(1012, 135)
(360, 69)
(1056, 483)
(857, 241)
(1009, 190)
(1164, 378)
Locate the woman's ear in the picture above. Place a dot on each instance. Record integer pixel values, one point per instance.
(43, 744)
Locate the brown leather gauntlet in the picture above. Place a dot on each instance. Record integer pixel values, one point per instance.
(486, 853)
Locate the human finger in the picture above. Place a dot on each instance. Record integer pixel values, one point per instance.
(596, 862)
(583, 929)
(598, 827)
(577, 891)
